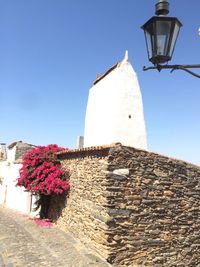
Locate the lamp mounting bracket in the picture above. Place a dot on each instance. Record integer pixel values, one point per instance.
(175, 67)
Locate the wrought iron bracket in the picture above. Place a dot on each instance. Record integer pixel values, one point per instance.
(175, 67)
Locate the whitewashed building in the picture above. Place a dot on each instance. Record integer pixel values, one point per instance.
(12, 196)
(115, 109)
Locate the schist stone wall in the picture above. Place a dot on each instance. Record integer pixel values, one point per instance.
(134, 207)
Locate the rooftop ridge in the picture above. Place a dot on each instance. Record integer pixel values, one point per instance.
(91, 148)
(115, 145)
(101, 76)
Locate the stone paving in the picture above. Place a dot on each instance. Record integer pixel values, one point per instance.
(24, 243)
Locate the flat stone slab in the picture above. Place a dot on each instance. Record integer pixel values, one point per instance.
(24, 243)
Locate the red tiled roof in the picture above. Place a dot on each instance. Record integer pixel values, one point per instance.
(92, 148)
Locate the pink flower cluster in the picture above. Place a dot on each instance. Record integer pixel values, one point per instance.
(43, 223)
(41, 171)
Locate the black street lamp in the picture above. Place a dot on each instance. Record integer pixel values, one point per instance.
(161, 33)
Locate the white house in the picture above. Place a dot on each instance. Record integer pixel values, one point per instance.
(115, 109)
(10, 163)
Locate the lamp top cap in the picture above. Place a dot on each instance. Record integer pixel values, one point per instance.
(162, 8)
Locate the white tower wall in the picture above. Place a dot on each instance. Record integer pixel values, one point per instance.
(115, 110)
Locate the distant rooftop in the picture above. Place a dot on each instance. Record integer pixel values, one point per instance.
(21, 149)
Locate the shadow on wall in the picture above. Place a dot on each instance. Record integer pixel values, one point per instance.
(57, 204)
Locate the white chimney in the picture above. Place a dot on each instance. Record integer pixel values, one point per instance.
(115, 109)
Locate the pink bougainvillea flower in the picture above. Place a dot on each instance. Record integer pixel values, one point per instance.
(41, 171)
(43, 223)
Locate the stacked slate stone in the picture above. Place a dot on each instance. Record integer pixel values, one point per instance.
(21, 149)
(134, 207)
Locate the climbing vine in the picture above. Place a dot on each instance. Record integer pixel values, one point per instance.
(42, 174)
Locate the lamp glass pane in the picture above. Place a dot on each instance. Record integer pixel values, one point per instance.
(163, 29)
(149, 43)
(174, 38)
(150, 40)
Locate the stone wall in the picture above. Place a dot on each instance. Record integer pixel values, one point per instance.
(134, 207)
(86, 214)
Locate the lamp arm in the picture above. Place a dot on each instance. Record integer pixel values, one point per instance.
(175, 67)
(187, 70)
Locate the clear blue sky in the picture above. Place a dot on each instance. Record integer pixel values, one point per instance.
(52, 50)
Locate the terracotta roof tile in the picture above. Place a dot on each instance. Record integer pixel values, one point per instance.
(92, 148)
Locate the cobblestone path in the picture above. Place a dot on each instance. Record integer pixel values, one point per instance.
(24, 244)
